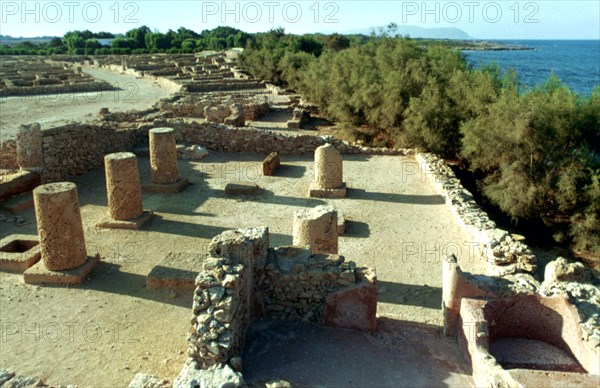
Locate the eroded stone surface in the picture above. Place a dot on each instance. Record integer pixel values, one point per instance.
(317, 228)
(163, 156)
(123, 186)
(60, 228)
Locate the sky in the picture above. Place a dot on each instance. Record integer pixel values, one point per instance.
(482, 19)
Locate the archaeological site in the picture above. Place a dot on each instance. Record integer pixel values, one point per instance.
(188, 225)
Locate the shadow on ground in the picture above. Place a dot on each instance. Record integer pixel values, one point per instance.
(395, 197)
(409, 294)
(308, 355)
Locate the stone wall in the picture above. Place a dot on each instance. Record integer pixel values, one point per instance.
(504, 253)
(243, 279)
(223, 138)
(8, 155)
(295, 284)
(223, 300)
(41, 90)
(76, 148)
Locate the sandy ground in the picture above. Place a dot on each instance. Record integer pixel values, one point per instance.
(52, 110)
(112, 326)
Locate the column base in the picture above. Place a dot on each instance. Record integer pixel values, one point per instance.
(318, 192)
(133, 223)
(169, 188)
(40, 274)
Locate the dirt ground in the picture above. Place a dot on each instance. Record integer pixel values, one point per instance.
(52, 110)
(112, 326)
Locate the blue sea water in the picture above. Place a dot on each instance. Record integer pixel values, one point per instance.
(575, 62)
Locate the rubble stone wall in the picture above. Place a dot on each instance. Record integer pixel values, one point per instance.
(76, 148)
(504, 253)
(243, 279)
(223, 138)
(295, 284)
(8, 155)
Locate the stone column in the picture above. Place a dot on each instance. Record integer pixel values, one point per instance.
(163, 156)
(59, 226)
(318, 228)
(328, 167)
(30, 153)
(123, 186)
(328, 181)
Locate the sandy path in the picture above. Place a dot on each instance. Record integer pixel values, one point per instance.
(57, 109)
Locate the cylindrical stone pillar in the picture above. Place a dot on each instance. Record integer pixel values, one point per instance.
(163, 156)
(123, 186)
(30, 153)
(318, 228)
(328, 167)
(59, 226)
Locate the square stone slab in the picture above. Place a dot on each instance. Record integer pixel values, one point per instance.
(39, 274)
(134, 223)
(19, 252)
(242, 189)
(18, 203)
(165, 189)
(316, 192)
(176, 270)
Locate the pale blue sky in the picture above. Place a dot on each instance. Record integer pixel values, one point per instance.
(498, 19)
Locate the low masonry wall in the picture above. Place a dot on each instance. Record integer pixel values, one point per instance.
(8, 155)
(76, 148)
(504, 253)
(243, 280)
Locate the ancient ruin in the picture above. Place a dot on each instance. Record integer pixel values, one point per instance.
(281, 286)
(329, 170)
(163, 162)
(317, 228)
(64, 257)
(124, 192)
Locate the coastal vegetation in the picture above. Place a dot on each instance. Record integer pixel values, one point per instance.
(535, 151)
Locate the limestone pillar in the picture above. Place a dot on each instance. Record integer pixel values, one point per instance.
(163, 156)
(30, 154)
(318, 228)
(328, 181)
(328, 167)
(123, 186)
(60, 229)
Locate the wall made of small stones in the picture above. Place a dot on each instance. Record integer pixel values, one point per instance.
(504, 253)
(223, 138)
(8, 155)
(295, 284)
(223, 304)
(243, 279)
(77, 148)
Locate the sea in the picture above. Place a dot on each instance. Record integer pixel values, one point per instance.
(574, 62)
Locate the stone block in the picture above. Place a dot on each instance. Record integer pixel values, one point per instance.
(242, 189)
(270, 164)
(18, 203)
(353, 307)
(168, 188)
(315, 191)
(40, 274)
(133, 223)
(176, 270)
